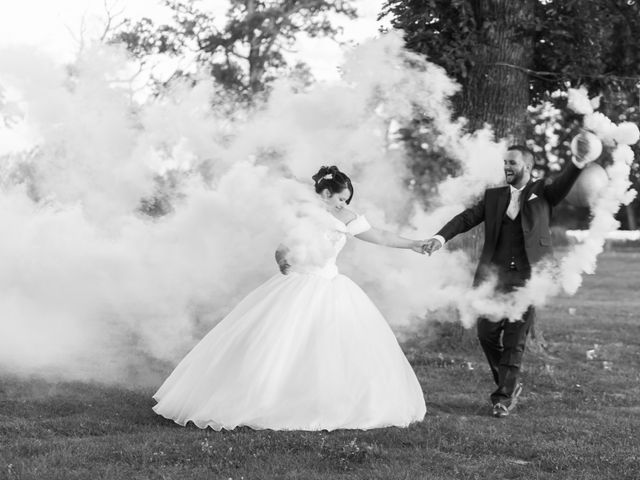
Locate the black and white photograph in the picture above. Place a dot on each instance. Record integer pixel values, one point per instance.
(320, 239)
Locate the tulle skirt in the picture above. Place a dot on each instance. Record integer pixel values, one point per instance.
(301, 352)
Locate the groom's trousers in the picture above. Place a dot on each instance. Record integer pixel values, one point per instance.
(505, 354)
(504, 341)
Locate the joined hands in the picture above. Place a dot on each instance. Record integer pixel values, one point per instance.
(431, 245)
(418, 247)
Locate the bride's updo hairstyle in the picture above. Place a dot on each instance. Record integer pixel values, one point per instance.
(333, 180)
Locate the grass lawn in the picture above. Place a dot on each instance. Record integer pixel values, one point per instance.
(579, 415)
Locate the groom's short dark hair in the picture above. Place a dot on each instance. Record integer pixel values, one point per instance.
(526, 152)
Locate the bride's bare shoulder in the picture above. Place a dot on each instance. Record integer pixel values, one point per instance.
(346, 215)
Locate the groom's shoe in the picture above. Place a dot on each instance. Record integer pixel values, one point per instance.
(500, 410)
(514, 397)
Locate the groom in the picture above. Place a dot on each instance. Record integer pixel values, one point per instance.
(517, 235)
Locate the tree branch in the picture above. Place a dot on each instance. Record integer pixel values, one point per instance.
(545, 75)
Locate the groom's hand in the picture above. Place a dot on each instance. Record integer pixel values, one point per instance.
(586, 148)
(431, 245)
(582, 147)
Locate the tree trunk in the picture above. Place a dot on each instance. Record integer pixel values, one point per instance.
(497, 88)
(256, 64)
(497, 91)
(631, 218)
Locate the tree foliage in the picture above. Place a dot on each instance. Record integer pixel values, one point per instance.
(586, 43)
(576, 42)
(245, 51)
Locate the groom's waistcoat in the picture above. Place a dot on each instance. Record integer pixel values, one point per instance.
(517, 243)
(509, 251)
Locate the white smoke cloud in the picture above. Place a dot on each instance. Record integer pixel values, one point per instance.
(93, 288)
(552, 277)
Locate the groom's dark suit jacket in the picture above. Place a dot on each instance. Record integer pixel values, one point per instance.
(532, 229)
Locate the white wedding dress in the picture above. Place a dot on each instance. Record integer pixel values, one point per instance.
(304, 351)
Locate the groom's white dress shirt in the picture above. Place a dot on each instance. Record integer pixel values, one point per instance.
(514, 203)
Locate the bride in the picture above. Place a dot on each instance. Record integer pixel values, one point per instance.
(307, 350)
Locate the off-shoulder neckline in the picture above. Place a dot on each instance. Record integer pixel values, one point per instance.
(350, 221)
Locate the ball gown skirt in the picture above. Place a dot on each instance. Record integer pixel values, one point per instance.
(304, 351)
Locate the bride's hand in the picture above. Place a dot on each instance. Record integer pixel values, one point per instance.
(284, 267)
(417, 247)
(281, 259)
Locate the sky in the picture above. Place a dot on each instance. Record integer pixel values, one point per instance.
(59, 27)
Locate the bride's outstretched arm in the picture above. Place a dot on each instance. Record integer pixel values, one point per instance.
(390, 239)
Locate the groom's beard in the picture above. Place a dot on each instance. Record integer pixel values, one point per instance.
(515, 178)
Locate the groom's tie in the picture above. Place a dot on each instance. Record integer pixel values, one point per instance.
(514, 204)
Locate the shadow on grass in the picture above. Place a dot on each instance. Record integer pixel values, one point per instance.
(459, 406)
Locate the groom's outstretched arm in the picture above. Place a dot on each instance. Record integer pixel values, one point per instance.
(464, 221)
(559, 188)
(460, 223)
(580, 157)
